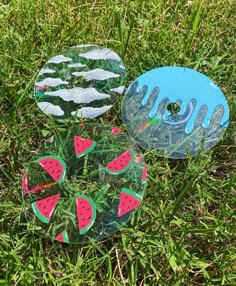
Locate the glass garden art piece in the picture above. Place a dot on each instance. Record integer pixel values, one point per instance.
(176, 110)
(85, 183)
(82, 81)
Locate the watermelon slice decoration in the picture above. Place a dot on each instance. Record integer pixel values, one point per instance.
(50, 139)
(115, 130)
(39, 88)
(83, 146)
(86, 212)
(25, 182)
(62, 237)
(138, 159)
(122, 163)
(44, 208)
(25, 186)
(144, 175)
(54, 166)
(129, 200)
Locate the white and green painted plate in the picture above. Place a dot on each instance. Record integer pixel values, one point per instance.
(82, 81)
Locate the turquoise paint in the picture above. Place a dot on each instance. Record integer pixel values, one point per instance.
(185, 86)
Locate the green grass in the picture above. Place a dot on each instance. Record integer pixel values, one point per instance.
(184, 233)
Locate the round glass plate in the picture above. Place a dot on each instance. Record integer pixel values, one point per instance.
(176, 110)
(82, 81)
(85, 183)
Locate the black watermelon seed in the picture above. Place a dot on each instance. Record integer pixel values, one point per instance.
(44, 207)
(58, 171)
(126, 197)
(40, 204)
(83, 207)
(46, 213)
(47, 200)
(88, 209)
(81, 213)
(128, 207)
(50, 162)
(123, 204)
(52, 204)
(89, 217)
(84, 219)
(129, 201)
(83, 225)
(50, 167)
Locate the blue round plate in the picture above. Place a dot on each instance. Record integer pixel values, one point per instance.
(176, 110)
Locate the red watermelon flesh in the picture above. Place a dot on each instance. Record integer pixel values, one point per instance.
(115, 130)
(44, 208)
(54, 166)
(129, 200)
(62, 237)
(25, 182)
(122, 163)
(83, 146)
(86, 212)
(144, 175)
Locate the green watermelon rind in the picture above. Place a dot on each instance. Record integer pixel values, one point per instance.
(87, 150)
(38, 213)
(94, 212)
(132, 193)
(60, 160)
(126, 168)
(65, 236)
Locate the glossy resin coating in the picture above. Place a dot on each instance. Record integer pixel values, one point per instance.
(82, 81)
(86, 184)
(177, 110)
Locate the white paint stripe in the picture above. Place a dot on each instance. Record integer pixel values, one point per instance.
(76, 65)
(100, 54)
(78, 94)
(96, 74)
(122, 67)
(51, 82)
(59, 59)
(91, 112)
(43, 71)
(50, 108)
(119, 89)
